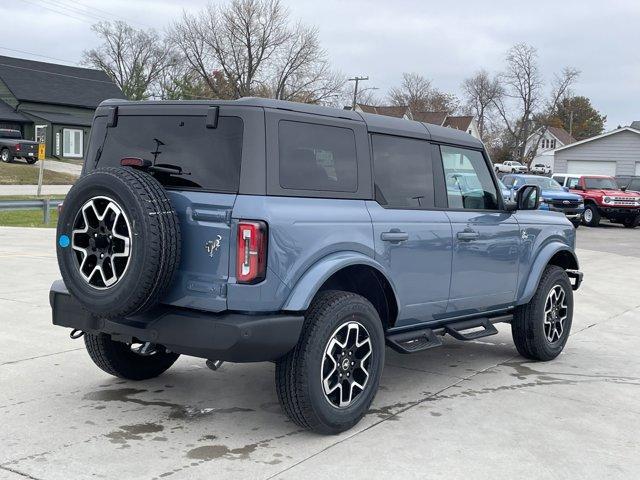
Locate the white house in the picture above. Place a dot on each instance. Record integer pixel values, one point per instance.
(612, 153)
(552, 139)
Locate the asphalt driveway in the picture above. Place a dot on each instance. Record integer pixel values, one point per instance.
(465, 410)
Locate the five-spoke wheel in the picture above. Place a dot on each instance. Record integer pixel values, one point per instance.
(101, 237)
(555, 313)
(345, 365)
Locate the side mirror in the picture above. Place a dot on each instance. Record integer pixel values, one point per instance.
(624, 189)
(578, 187)
(528, 197)
(566, 189)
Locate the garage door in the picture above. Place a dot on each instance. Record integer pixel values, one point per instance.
(591, 168)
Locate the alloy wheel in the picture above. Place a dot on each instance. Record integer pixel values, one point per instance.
(588, 215)
(555, 314)
(345, 364)
(101, 238)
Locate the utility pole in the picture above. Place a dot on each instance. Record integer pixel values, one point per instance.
(355, 90)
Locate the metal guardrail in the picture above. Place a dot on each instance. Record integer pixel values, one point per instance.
(45, 204)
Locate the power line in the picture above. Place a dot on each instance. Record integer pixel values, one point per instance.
(37, 55)
(31, 2)
(115, 17)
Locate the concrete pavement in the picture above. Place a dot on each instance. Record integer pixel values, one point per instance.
(465, 410)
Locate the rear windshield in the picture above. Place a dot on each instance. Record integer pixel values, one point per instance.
(209, 157)
(10, 134)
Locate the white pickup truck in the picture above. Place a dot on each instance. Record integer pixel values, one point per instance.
(510, 167)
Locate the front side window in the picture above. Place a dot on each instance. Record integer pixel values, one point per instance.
(573, 182)
(317, 157)
(403, 172)
(468, 179)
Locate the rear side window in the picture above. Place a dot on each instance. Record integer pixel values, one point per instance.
(403, 172)
(468, 179)
(209, 158)
(317, 157)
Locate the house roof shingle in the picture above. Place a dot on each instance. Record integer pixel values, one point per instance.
(388, 110)
(562, 135)
(8, 114)
(435, 118)
(635, 124)
(461, 123)
(41, 82)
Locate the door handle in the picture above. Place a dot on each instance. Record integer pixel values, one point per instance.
(394, 236)
(468, 235)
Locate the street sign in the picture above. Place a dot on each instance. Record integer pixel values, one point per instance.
(41, 151)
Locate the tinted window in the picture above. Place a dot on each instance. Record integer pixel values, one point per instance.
(317, 157)
(634, 185)
(403, 172)
(10, 134)
(559, 179)
(572, 182)
(544, 183)
(209, 157)
(468, 179)
(508, 181)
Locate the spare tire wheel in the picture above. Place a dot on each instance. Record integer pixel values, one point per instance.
(118, 241)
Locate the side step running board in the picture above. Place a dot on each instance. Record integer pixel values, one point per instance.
(456, 330)
(414, 341)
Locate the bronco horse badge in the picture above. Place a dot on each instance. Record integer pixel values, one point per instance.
(212, 246)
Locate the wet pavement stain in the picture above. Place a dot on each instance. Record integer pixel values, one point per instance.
(188, 413)
(133, 432)
(212, 452)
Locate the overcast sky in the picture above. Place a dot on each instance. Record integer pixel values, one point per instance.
(444, 41)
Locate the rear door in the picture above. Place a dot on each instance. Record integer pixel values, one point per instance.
(207, 147)
(486, 239)
(412, 239)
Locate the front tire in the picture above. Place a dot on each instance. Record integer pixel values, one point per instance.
(117, 358)
(591, 216)
(631, 222)
(328, 381)
(540, 328)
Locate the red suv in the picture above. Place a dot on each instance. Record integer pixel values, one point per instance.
(603, 198)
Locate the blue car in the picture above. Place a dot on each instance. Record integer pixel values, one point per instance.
(554, 197)
(262, 230)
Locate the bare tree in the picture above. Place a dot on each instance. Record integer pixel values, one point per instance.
(419, 95)
(134, 59)
(252, 44)
(480, 92)
(522, 92)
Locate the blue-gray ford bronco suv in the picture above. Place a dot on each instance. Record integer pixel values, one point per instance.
(262, 230)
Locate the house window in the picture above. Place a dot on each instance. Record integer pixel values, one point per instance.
(72, 143)
(553, 143)
(545, 143)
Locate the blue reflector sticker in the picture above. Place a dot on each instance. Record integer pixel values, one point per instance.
(64, 241)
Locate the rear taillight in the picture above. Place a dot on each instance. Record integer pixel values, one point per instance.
(17, 147)
(251, 263)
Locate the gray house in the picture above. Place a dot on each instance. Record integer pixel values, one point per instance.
(52, 104)
(612, 153)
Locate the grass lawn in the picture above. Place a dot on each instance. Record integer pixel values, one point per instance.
(26, 218)
(23, 174)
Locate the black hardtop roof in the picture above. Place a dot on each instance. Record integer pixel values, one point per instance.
(374, 123)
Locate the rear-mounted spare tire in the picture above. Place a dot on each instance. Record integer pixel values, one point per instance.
(118, 241)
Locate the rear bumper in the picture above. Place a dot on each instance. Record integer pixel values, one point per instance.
(232, 337)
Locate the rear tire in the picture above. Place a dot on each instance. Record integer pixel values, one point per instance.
(315, 380)
(538, 329)
(5, 155)
(117, 358)
(31, 160)
(591, 216)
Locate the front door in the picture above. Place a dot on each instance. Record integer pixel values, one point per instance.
(412, 239)
(486, 239)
